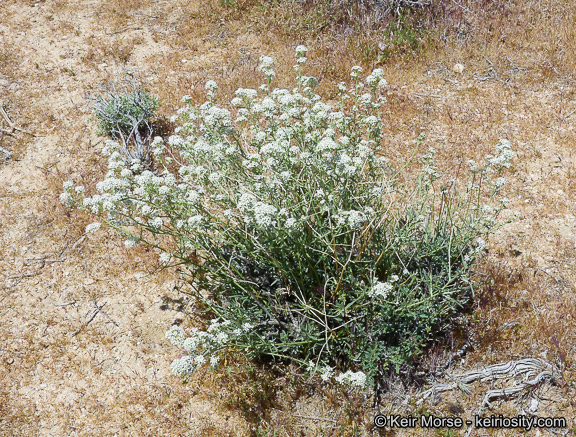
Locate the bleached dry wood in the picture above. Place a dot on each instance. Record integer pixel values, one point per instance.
(528, 367)
(6, 152)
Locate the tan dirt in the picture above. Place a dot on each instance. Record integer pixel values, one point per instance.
(63, 376)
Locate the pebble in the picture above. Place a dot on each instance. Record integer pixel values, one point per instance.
(458, 68)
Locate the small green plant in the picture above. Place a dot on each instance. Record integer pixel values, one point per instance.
(445, 432)
(124, 116)
(297, 234)
(124, 111)
(401, 37)
(400, 6)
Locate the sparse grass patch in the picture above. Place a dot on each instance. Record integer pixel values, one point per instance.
(6, 59)
(248, 388)
(401, 37)
(118, 51)
(120, 13)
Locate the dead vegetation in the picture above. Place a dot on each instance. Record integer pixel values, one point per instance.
(72, 366)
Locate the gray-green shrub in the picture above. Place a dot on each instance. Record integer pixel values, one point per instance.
(124, 116)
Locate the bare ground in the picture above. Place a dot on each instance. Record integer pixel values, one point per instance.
(82, 347)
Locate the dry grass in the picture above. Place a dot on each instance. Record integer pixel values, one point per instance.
(518, 83)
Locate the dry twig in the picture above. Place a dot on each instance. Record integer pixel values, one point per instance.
(91, 317)
(327, 419)
(64, 304)
(12, 125)
(569, 114)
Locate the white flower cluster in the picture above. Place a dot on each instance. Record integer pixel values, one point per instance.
(505, 154)
(264, 214)
(130, 242)
(354, 219)
(356, 379)
(480, 244)
(216, 118)
(499, 182)
(260, 213)
(301, 54)
(355, 73)
(203, 346)
(65, 197)
(182, 366)
(244, 97)
(430, 167)
(93, 227)
(266, 64)
(494, 164)
(381, 289)
(375, 79)
(157, 146)
(176, 335)
(211, 86)
(327, 373)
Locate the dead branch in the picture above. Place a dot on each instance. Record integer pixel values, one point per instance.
(24, 275)
(527, 367)
(12, 125)
(327, 419)
(6, 152)
(64, 304)
(91, 317)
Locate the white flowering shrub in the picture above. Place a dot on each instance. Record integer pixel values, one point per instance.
(296, 232)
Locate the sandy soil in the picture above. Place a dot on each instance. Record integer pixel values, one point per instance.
(82, 348)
